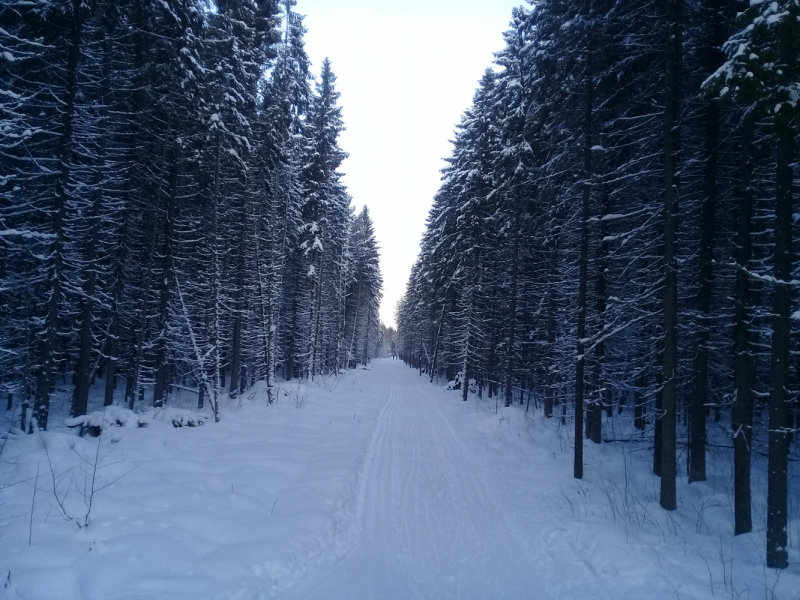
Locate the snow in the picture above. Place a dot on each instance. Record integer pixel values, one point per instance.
(110, 416)
(117, 416)
(373, 484)
(26, 234)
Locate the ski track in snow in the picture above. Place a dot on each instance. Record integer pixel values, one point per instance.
(372, 485)
(428, 526)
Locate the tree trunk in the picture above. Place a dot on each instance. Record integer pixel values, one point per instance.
(777, 556)
(512, 312)
(552, 315)
(83, 365)
(744, 366)
(638, 403)
(142, 328)
(216, 369)
(316, 310)
(268, 298)
(469, 339)
(583, 271)
(697, 437)
(436, 345)
(236, 348)
(657, 416)
(350, 351)
(699, 400)
(48, 342)
(365, 352)
(291, 350)
(162, 366)
(602, 399)
(112, 343)
(670, 356)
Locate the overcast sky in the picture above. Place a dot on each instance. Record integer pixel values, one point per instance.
(406, 71)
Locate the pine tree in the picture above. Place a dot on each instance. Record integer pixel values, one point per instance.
(762, 71)
(324, 216)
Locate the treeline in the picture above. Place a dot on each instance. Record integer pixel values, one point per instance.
(617, 231)
(170, 206)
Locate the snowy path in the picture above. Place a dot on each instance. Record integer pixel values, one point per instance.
(374, 485)
(429, 527)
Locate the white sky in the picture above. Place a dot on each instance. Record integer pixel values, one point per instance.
(406, 71)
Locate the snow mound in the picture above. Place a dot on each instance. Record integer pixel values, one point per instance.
(14, 432)
(98, 421)
(111, 416)
(456, 383)
(179, 417)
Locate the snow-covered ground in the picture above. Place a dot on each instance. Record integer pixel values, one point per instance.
(373, 485)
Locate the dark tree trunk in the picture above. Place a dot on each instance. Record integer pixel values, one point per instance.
(697, 436)
(552, 312)
(699, 395)
(672, 88)
(470, 336)
(657, 414)
(436, 346)
(112, 344)
(777, 500)
(236, 348)
(23, 420)
(472, 285)
(291, 348)
(162, 366)
(141, 330)
(491, 364)
(602, 400)
(217, 369)
(583, 272)
(512, 314)
(48, 342)
(83, 364)
(744, 364)
(365, 352)
(351, 363)
(317, 309)
(639, 404)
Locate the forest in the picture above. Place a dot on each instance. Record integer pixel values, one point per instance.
(610, 267)
(171, 213)
(617, 238)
